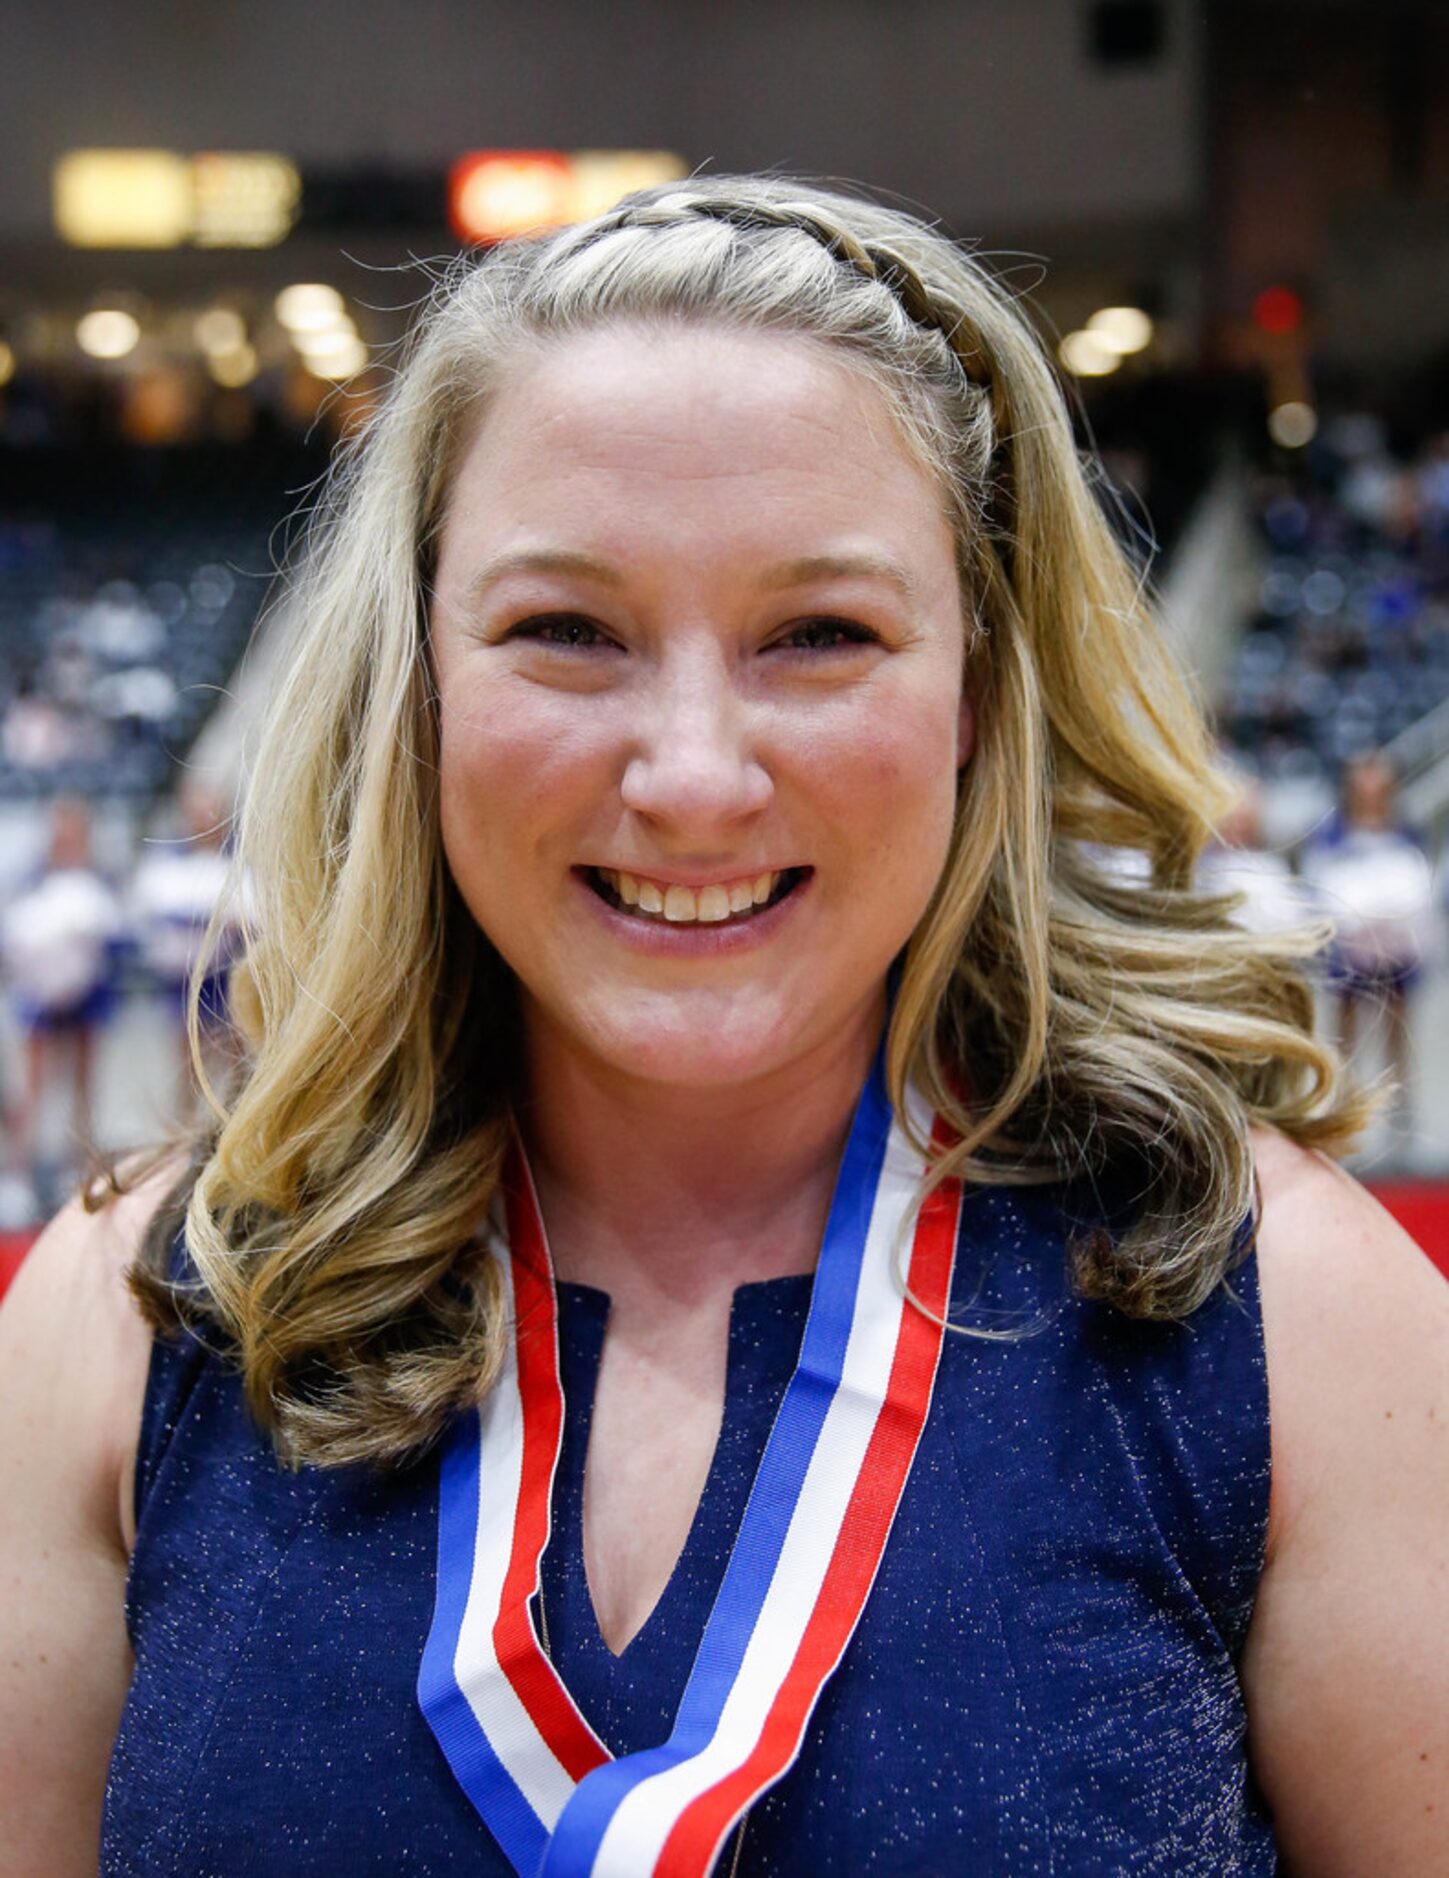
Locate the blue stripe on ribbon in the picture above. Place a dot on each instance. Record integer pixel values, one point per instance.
(581, 1828)
(483, 1777)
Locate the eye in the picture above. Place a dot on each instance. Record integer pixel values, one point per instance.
(827, 634)
(561, 629)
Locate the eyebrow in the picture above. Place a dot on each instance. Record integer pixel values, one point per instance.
(840, 567)
(783, 574)
(544, 561)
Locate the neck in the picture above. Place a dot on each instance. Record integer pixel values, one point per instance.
(653, 1192)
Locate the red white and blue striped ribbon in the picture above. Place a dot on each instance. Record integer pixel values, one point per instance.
(801, 1569)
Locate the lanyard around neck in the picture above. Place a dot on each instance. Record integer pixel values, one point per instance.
(802, 1566)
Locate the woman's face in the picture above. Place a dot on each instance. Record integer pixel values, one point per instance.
(698, 641)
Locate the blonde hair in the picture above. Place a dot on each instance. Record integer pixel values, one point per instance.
(1067, 1022)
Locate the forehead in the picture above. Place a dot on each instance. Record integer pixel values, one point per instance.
(746, 431)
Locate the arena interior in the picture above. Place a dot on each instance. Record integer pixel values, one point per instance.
(1229, 220)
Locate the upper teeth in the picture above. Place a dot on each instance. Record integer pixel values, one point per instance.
(681, 904)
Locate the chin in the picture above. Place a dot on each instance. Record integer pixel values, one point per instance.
(698, 1042)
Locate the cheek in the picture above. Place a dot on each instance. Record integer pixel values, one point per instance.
(521, 754)
(902, 772)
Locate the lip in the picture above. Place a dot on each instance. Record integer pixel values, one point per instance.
(693, 939)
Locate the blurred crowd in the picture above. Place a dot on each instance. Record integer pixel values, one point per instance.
(1348, 643)
(1371, 879)
(77, 943)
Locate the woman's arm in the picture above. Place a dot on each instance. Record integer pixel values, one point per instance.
(73, 1360)
(1346, 1670)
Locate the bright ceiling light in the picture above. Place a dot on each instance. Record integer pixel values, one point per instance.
(107, 333)
(496, 193)
(122, 198)
(344, 360)
(309, 307)
(321, 345)
(1085, 356)
(220, 329)
(244, 199)
(1121, 329)
(1293, 424)
(233, 366)
(602, 177)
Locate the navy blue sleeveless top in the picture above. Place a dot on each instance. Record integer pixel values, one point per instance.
(1044, 1679)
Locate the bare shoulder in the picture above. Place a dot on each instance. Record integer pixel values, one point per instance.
(1346, 1670)
(74, 1355)
(1355, 1318)
(1318, 1218)
(74, 1349)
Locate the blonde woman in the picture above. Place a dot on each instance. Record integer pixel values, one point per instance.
(729, 1320)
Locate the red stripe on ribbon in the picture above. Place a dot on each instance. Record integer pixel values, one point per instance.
(534, 1678)
(696, 1835)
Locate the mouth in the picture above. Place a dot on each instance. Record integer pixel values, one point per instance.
(733, 902)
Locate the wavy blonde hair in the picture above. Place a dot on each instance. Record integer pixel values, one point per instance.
(1068, 1023)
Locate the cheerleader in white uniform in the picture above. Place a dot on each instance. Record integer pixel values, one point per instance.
(59, 943)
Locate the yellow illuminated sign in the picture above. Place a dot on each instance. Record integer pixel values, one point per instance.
(603, 177)
(245, 200)
(158, 199)
(123, 199)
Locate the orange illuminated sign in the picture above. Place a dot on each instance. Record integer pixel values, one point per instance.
(496, 193)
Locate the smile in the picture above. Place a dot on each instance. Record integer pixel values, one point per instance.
(666, 902)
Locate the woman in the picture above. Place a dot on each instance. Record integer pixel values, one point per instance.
(1373, 879)
(708, 684)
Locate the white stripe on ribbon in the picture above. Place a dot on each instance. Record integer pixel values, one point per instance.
(636, 1835)
(511, 1731)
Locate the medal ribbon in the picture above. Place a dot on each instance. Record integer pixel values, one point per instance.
(801, 1569)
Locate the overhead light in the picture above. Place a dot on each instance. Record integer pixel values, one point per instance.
(122, 198)
(309, 306)
(1293, 424)
(220, 329)
(233, 366)
(603, 177)
(496, 193)
(7, 362)
(343, 360)
(1278, 310)
(1085, 356)
(243, 198)
(162, 199)
(107, 332)
(1121, 329)
(321, 345)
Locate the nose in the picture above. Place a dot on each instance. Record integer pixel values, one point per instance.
(693, 769)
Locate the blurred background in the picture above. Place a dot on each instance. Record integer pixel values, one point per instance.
(1228, 221)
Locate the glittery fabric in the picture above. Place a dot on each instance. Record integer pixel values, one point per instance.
(1043, 1680)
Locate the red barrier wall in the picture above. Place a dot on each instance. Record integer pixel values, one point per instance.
(1421, 1208)
(13, 1247)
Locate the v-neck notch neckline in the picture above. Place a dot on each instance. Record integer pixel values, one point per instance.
(637, 1688)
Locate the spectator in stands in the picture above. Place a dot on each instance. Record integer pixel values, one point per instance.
(58, 946)
(1238, 861)
(35, 734)
(1372, 878)
(174, 894)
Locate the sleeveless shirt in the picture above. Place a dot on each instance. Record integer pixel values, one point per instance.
(1044, 1679)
